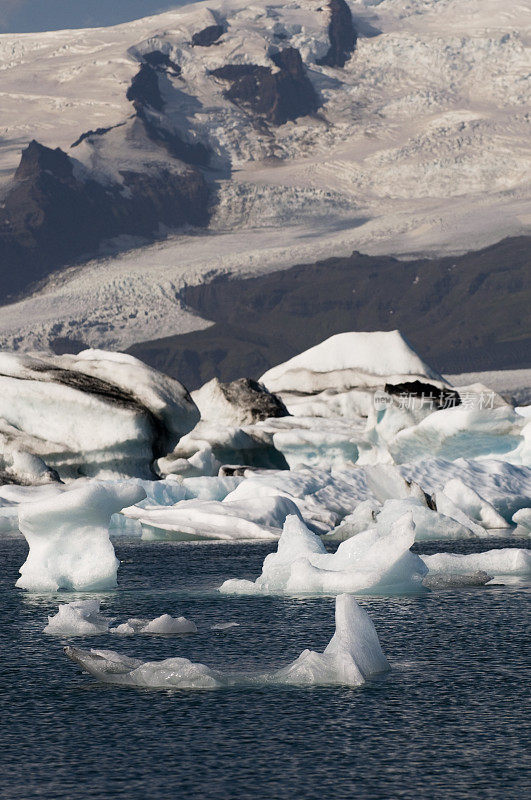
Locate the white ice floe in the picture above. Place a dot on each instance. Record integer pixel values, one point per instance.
(373, 562)
(461, 432)
(257, 518)
(164, 625)
(352, 657)
(68, 538)
(429, 524)
(507, 487)
(211, 445)
(470, 502)
(508, 561)
(116, 414)
(522, 519)
(79, 618)
(224, 626)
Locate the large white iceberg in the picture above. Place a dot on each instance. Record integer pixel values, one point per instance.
(352, 657)
(68, 538)
(373, 562)
(347, 360)
(98, 413)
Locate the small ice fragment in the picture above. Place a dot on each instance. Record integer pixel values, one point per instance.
(165, 624)
(224, 626)
(442, 580)
(80, 618)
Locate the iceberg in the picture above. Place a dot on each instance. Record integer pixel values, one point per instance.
(258, 518)
(352, 657)
(68, 538)
(522, 519)
(373, 562)
(508, 561)
(471, 503)
(165, 625)
(79, 618)
(460, 432)
(117, 415)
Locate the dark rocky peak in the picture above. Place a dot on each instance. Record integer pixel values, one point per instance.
(145, 90)
(342, 34)
(37, 158)
(278, 96)
(208, 36)
(255, 398)
(290, 61)
(159, 60)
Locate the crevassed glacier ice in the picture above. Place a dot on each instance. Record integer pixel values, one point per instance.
(68, 538)
(352, 657)
(79, 618)
(373, 562)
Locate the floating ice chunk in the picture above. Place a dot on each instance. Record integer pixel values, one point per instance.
(442, 580)
(522, 518)
(352, 657)
(167, 625)
(362, 518)
(375, 561)
(258, 518)
(506, 561)
(469, 502)
(429, 524)
(80, 618)
(506, 486)
(224, 626)
(385, 482)
(68, 537)
(460, 432)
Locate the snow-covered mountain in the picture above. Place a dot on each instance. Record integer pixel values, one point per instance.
(282, 132)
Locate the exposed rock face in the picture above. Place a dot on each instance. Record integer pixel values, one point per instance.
(441, 398)
(241, 402)
(342, 35)
(278, 96)
(160, 60)
(97, 132)
(51, 216)
(144, 89)
(208, 36)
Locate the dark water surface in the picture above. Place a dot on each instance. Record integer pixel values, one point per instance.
(450, 721)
